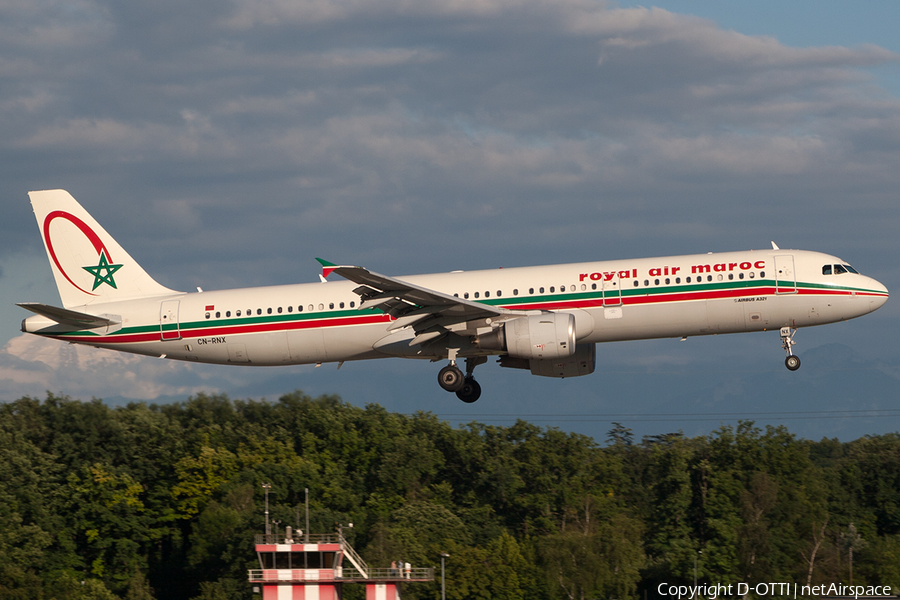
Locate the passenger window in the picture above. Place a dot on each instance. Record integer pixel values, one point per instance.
(279, 310)
(667, 281)
(530, 290)
(594, 285)
(268, 311)
(688, 279)
(719, 277)
(499, 293)
(656, 282)
(487, 294)
(476, 294)
(300, 308)
(731, 276)
(762, 273)
(636, 283)
(740, 275)
(321, 306)
(259, 311)
(583, 287)
(572, 289)
(552, 289)
(290, 309)
(341, 305)
(466, 295)
(331, 305)
(515, 291)
(227, 313)
(541, 290)
(237, 314)
(678, 280)
(646, 282)
(709, 277)
(352, 304)
(752, 274)
(826, 270)
(207, 315)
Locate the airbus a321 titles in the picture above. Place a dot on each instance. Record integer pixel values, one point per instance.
(544, 319)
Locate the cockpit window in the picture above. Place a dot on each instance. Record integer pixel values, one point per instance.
(851, 269)
(838, 269)
(826, 269)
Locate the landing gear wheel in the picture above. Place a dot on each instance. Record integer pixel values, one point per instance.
(792, 362)
(470, 391)
(451, 378)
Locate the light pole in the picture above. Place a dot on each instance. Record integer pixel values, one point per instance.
(267, 487)
(695, 567)
(443, 579)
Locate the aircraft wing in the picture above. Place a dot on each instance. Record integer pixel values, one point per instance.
(431, 313)
(67, 317)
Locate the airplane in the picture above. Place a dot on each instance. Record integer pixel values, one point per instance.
(545, 319)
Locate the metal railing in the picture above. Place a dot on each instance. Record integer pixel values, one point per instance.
(303, 538)
(354, 558)
(341, 575)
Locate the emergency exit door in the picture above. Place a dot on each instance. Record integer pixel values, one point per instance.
(785, 278)
(168, 320)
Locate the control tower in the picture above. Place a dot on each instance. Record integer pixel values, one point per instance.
(311, 567)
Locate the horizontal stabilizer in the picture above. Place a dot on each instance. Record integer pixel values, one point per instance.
(68, 317)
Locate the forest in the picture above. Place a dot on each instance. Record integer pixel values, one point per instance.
(163, 501)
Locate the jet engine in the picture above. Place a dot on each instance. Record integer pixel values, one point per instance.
(536, 337)
(582, 362)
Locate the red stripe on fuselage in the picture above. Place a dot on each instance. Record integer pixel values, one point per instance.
(154, 336)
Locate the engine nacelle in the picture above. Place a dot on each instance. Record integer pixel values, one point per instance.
(537, 337)
(582, 362)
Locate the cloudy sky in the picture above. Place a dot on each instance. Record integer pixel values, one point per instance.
(227, 143)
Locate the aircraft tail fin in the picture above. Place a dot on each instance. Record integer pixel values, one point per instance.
(89, 266)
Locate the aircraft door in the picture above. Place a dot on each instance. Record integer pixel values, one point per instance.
(168, 320)
(785, 278)
(612, 293)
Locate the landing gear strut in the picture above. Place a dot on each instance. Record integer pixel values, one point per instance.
(792, 361)
(451, 378)
(471, 390)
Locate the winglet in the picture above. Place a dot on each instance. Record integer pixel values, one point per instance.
(327, 267)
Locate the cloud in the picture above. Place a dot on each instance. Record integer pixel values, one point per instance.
(227, 142)
(31, 365)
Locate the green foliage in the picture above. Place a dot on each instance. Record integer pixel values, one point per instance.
(147, 501)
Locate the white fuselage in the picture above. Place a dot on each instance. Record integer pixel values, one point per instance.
(616, 300)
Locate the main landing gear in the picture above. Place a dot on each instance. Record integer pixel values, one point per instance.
(451, 378)
(792, 361)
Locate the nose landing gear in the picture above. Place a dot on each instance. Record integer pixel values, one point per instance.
(792, 361)
(451, 378)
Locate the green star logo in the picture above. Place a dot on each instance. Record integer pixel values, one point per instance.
(98, 272)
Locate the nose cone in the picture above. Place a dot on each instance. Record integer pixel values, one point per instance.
(878, 296)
